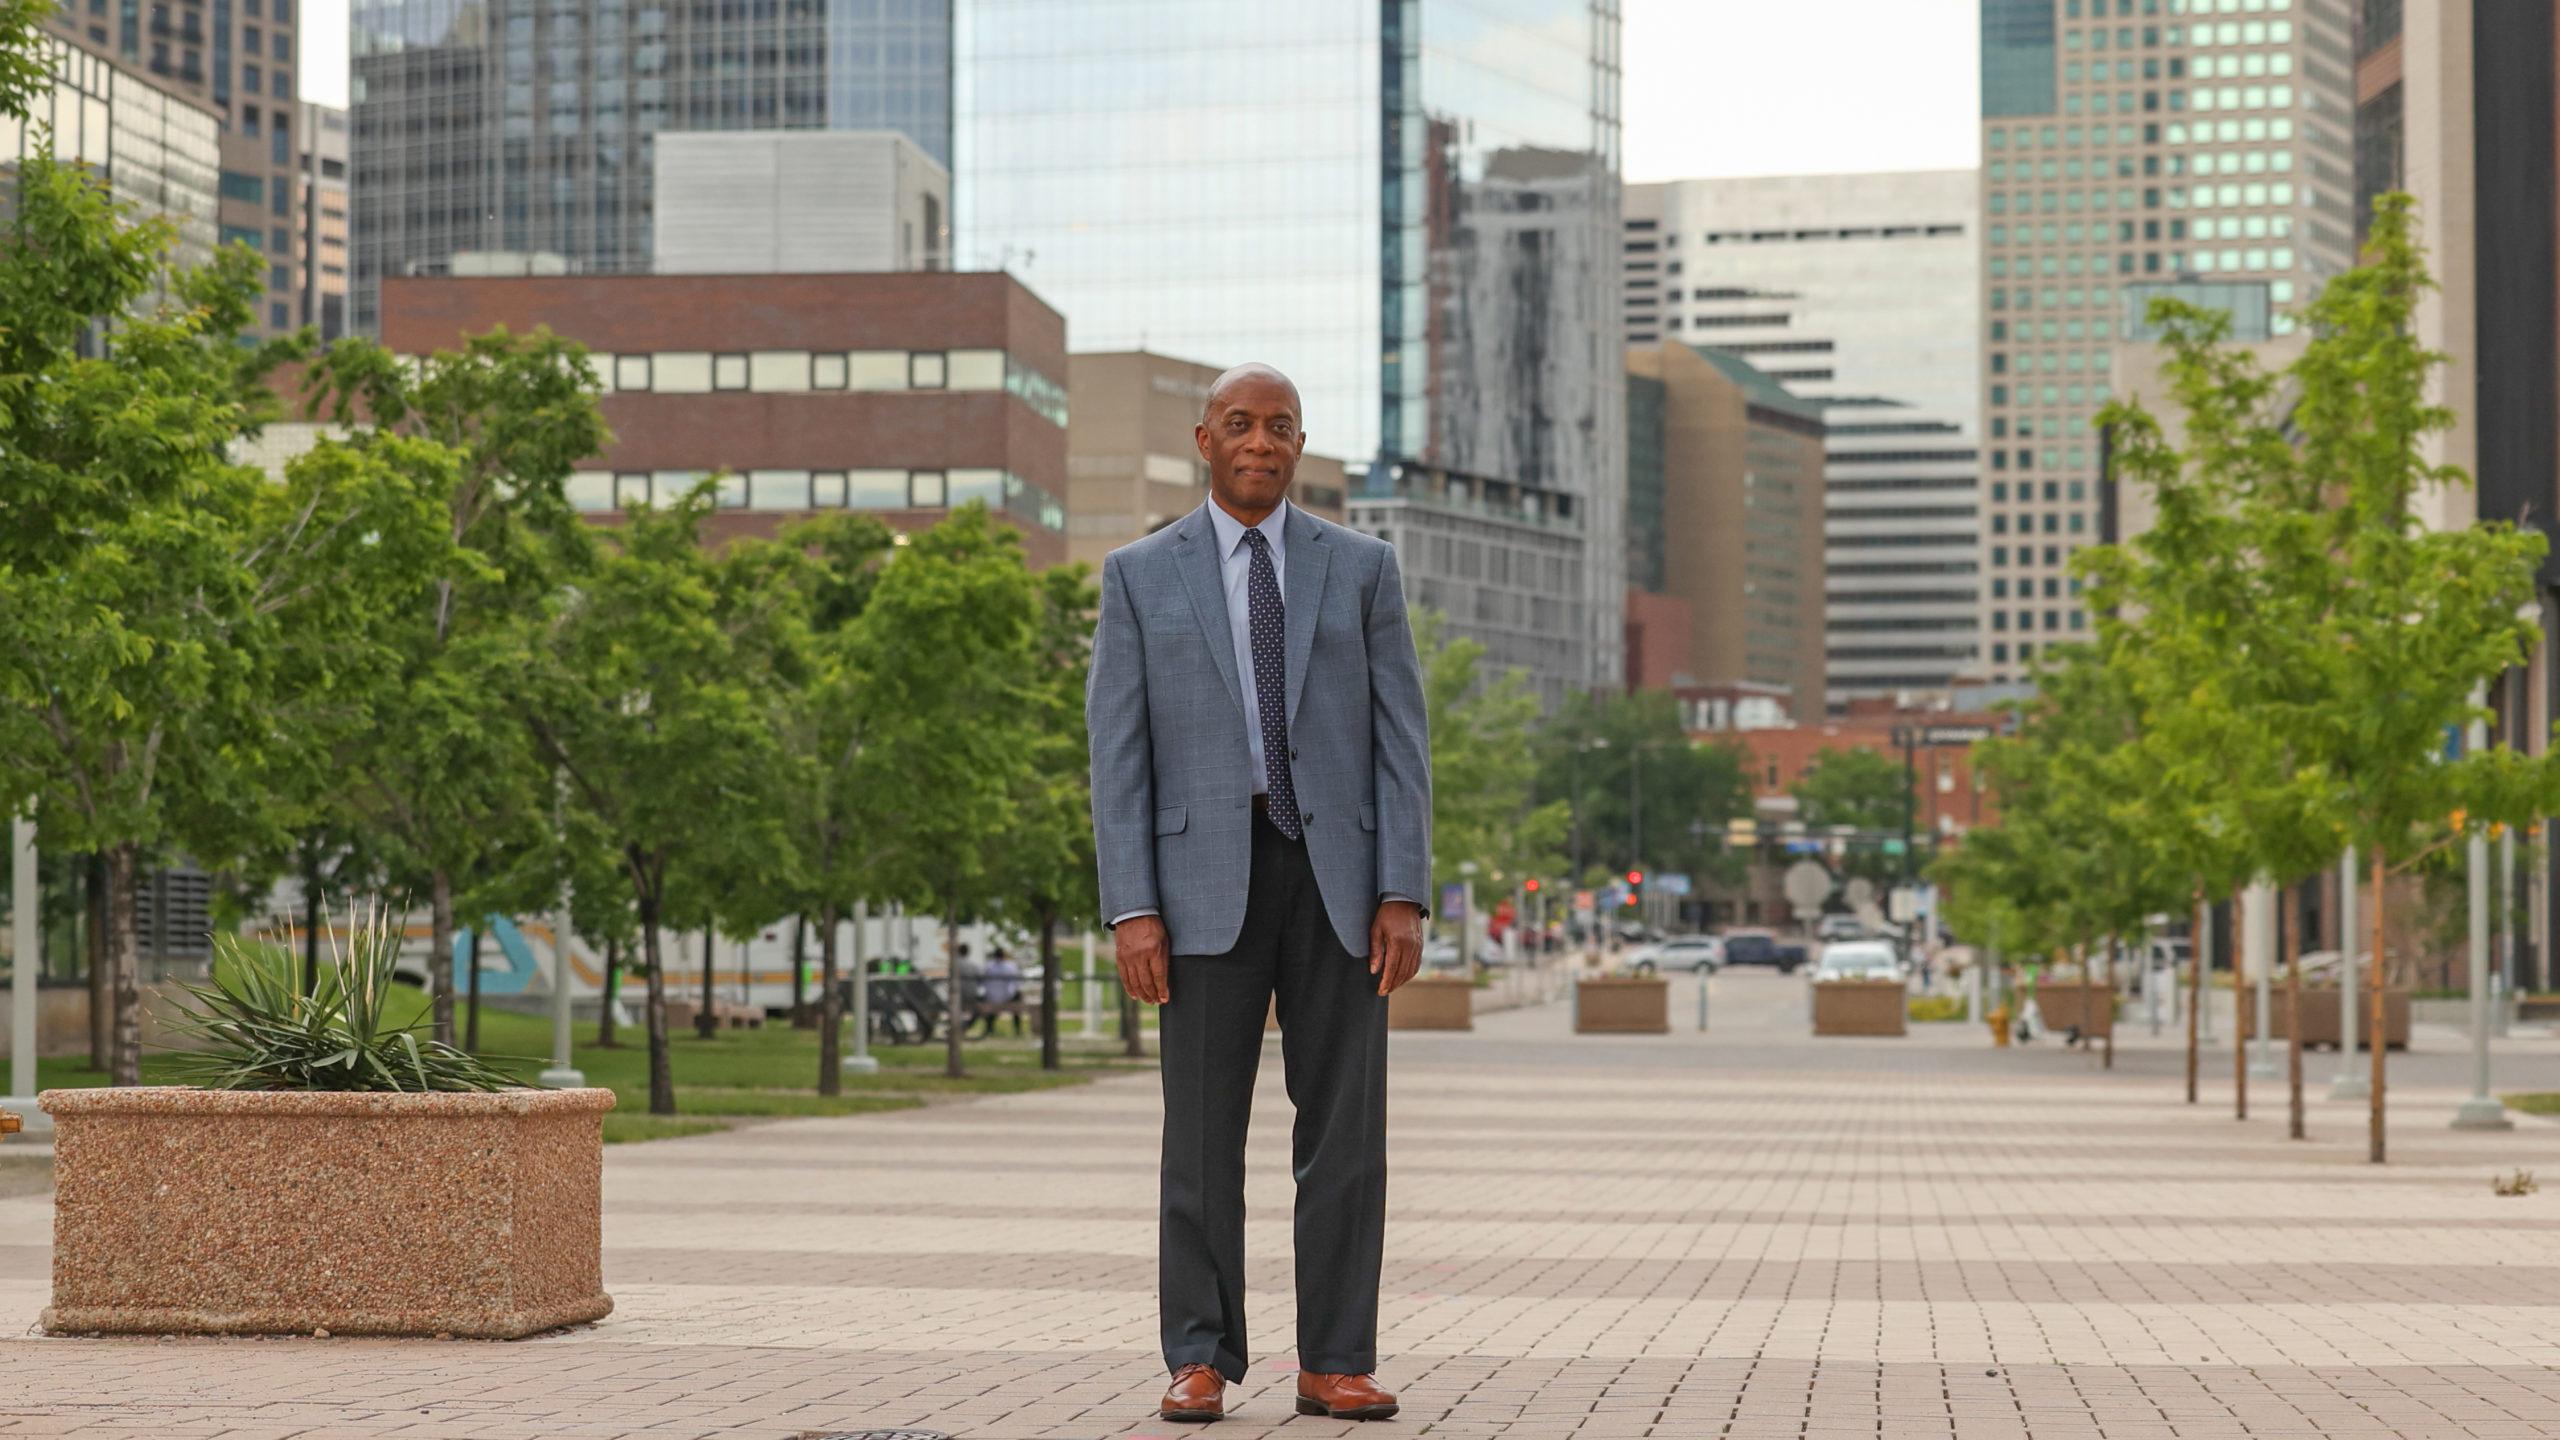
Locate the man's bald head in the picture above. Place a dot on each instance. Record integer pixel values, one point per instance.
(1253, 373)
(1250, 434)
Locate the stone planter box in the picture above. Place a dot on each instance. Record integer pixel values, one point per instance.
(230, 1212)
(1621, 1005)
(1433, 1002)
(2320, 1017)
(1860, 1007)
(2066, 1004)
(2538, 1008)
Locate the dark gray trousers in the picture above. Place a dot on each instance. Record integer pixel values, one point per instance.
(1333, 1043)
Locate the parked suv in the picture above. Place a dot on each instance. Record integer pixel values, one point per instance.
(1760, 947)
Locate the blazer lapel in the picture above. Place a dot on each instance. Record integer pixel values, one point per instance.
(1309, 556)
(1208, 586)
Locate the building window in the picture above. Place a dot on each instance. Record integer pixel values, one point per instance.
(277, 317)
(729, 492)
(589, 491)
(826, 372)
(630, 491)
(773, 371)
(251, 188)
(926, 490)
(876, 370)
(778, 489)
(926, 370)
(877, 490)
(974, 370)
(826, 490)
(728, 372)
(631, 372)
(681, 372)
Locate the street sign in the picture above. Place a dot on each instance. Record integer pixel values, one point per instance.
(1954, 734)
(1670, 883)
(1582, 900)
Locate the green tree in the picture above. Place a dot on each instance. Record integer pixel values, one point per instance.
(1485, 808)
(440, 776)
(1863, 789)
(1624, 764)
(642, 689)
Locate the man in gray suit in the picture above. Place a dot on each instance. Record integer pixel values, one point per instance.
(1262, 817)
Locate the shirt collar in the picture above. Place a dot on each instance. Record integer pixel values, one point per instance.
(1231, 530)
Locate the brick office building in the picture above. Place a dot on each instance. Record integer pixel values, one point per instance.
(902, 394)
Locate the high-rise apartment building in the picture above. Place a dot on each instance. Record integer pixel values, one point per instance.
(1856, 292)
(1409, 206)
(519, 127)
(238, 58)
(798, 202)
(2129, 145)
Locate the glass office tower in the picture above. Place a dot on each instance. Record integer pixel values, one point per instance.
(526, 125)
(1411, 206)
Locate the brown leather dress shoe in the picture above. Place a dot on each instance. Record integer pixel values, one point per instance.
(1198, 1393)
(1344, 1397)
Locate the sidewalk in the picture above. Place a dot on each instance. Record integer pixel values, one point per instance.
(1747, 1234)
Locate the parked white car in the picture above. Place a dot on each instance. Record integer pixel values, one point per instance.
(1680, 952)
(1858, 960)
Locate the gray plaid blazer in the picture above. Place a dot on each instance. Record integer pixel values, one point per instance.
(1164, 709)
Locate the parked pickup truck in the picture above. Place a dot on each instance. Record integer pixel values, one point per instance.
(1761, 947)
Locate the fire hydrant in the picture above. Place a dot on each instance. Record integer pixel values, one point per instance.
(1999, 1018)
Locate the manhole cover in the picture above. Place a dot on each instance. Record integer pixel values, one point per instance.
(871, 1435)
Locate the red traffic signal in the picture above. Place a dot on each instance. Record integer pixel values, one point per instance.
(1635, 877)
(1532, 885)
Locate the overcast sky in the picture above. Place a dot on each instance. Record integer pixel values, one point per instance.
(1713, 87)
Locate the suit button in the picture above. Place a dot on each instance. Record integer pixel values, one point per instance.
(1308, 819)
(1293, 752)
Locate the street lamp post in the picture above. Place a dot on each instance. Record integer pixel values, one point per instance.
(861, 1061)
(2348, 1085)
(24, 960)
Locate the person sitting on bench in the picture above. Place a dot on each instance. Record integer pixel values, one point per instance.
(999, 992)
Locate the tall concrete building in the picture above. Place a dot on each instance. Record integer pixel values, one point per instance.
(1857, 292)
(1133, 464)
(2128, 145)
(237, 58)
(322, 179)
(2459, 105)
(1410, 206)
(788, 202)
(520, 127)
(1742, 522)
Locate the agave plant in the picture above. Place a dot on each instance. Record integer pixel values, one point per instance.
(253, 1028)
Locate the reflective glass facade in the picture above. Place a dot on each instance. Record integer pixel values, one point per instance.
(1410, 206)
(159, 153)
(527, 125)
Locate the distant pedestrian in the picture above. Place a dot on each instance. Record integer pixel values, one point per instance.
(999, 992)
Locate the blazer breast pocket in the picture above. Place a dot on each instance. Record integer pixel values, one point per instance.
(1174, 819)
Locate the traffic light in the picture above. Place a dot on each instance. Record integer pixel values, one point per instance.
(1635, 887)
(1531, 885)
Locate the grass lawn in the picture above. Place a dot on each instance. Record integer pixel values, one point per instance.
(743, 1074)
(2542, 1102)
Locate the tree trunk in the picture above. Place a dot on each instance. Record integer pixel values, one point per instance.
(612, 991)
(953, 1063)
(440, 951)
(310, 922)
(801, 1019)
(102, 980)
(124, 966)
(662, 1080)
(2242, 1021)
(2374, 1032)
(705, 1023)
(1049, 1059)
(2088, 1001)
(2195, 992)
(471, 1026)
(830, 1007)
(2289, 921)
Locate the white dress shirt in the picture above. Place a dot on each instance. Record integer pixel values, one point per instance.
(1235, 568)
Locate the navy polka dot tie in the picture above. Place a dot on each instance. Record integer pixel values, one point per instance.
(1267, 623)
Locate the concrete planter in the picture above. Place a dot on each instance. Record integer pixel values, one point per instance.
(1433, 1002)
(2320, 1018)
(232, 1212)
(2068, 1004)
(1860, 1007)
(1621, 1005)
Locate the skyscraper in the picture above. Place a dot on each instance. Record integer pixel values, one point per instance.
(2127, 146)
(1411, 206)
(238, 58)
(1856, 292)
(515, 126)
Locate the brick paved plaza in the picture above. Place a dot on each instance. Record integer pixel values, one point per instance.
(1744, 1234)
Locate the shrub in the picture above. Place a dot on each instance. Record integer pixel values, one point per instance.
(1932, 1009)
(254, 1029)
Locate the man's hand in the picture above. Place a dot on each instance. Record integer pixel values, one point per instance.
(1138, 944)
(1395, 943)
